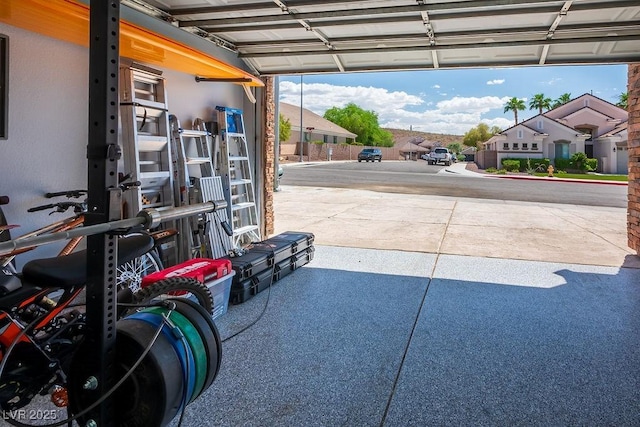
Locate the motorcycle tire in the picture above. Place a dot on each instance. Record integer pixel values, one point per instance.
(180, 287)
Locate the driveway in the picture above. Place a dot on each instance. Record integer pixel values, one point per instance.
(457, 225)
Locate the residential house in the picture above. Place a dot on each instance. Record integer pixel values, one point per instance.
(469, 154)
(585, 124)
(411, 151)
(315, 127)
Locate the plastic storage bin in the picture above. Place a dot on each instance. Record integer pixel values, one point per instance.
(216, 274)
(220, 290)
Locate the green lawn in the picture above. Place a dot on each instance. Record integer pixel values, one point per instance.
(623, 178)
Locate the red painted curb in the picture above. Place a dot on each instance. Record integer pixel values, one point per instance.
(582, 181)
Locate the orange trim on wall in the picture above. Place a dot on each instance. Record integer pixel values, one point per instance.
(68, 20)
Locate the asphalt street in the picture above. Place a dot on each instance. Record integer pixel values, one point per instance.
(416, 177)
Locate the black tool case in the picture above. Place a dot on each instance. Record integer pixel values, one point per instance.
(250, 263)
(244, 290)
(277, 250)
(299, 240)
(283, 268)
(266, 262)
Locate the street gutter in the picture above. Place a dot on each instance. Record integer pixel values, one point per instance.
(582, 181)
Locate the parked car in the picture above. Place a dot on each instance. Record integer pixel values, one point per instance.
(370, 155)
(439, 155)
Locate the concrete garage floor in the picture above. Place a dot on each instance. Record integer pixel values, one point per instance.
(417, 320)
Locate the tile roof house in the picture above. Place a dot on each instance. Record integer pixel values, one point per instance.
(411, 151)
(315, 127)
(585, 124)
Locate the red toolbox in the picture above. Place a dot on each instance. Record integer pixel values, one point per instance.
(202, 269)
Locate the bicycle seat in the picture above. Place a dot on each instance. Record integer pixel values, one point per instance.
(70, 270)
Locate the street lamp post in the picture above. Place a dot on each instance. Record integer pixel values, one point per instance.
(301, 128)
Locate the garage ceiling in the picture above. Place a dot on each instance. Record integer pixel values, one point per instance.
(308, 36)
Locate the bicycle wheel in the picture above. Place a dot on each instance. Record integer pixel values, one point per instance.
(176, 287)
(130, 273)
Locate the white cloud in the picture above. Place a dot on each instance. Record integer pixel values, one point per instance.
(400, 109)
(554, 81)
(436, 86)
(495, 82)
(472, 104)
(319, 97)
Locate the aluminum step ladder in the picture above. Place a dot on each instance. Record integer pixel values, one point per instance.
(192, 163)
(146, 145)
(234, 166)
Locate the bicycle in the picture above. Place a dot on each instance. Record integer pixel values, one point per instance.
(130, 273)
(42, 327)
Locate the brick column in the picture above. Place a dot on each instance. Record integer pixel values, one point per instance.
(269, 156)
(633, 211)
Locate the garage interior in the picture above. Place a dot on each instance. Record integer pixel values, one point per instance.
(361, 337)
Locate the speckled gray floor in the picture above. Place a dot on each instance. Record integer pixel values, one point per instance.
(363, 337)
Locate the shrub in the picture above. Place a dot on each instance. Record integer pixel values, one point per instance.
(540, 164)
(501, 172)
(491, 170)
(579, 161)
(529, 167)
(511, 165)
(592, 165)
(561, 163)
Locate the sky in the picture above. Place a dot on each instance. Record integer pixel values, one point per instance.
(451, 101)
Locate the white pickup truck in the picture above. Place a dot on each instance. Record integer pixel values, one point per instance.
(440, 155)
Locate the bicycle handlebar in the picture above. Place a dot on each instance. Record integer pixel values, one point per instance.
(4, 200)
(41, 208)
(70, 194)
(60, 207)
(124, 186)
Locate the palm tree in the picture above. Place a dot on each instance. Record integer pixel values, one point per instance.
(564, 98)
(514, 104)
(623, 100)
(540, 102)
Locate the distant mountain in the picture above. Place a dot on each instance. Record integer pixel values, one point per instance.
(402, 135)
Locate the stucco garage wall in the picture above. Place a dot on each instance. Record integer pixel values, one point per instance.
(188, 99)
(48, 113)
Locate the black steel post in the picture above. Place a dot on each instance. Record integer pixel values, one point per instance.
(103, 203)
